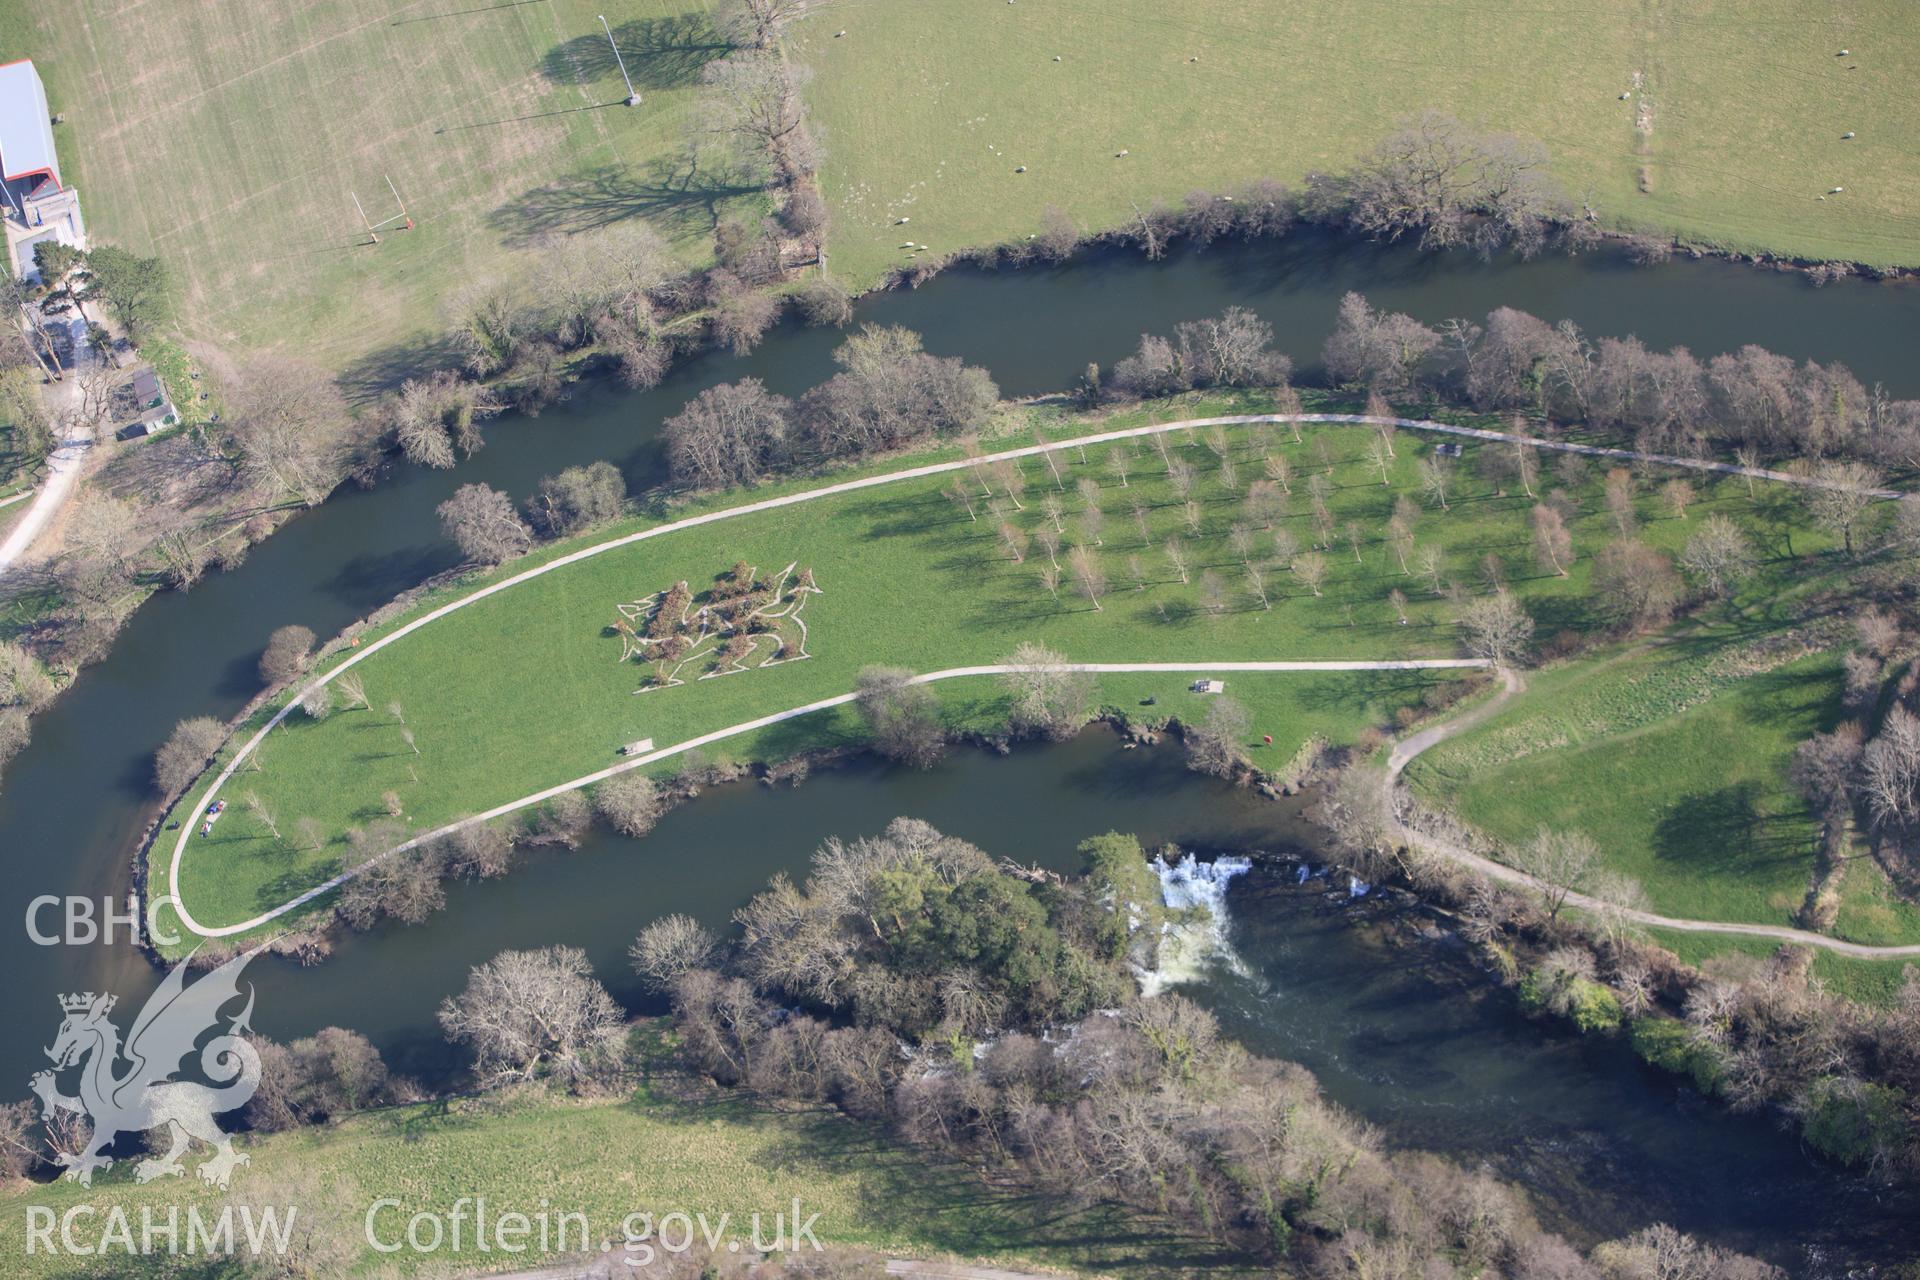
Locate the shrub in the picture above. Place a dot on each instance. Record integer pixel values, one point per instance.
(1667, 1043)
(1854, 1122)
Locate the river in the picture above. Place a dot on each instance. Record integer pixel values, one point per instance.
(74, 802)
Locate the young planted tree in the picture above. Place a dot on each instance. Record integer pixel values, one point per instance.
(1280, 470)
(1311, 569)
(1677, 495)
(1619, 495)
(1436, 479)
(1381, 459)
(353, 689)
(1088, 577)
(1431, 561)
(1014, 540)
(1176, 553)
(1213, 593)
(1265, 503)
(1552, 543)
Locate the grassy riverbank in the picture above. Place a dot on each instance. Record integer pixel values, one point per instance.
(641, 1152)
(1732, 131)
(526, 689)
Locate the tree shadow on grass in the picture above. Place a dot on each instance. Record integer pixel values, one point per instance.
(906, 1190)
(675, 193)
(1724, 833)
(296, 880)
(381, 371)
(660, 53)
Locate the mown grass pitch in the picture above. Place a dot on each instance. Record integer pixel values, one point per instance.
(929, 109)
(230, 138)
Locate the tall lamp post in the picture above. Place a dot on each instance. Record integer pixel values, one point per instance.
(633, 95)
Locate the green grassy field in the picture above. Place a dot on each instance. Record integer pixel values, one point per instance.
(641, 1153)
(1679, 775)
(231, 139)
(928, 110)
(526, 690)
(1674, 757)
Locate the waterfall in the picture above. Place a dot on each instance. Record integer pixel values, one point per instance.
(1188, 948)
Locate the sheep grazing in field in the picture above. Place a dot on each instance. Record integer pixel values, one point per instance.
(1118, 154)
(1836, 191)
(1846, 135)
(1019, 168)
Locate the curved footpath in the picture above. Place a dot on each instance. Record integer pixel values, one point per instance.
(912, 473)
(731, 731)
(1404, 754)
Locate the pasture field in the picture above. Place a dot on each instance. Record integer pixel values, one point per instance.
(526, 689)
(641, 1152)
(927, 110)
(230, 139)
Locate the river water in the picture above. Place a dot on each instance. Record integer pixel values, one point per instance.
(74, 802)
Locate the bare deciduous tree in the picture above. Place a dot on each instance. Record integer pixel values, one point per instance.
(903, 717)
(1217, 744)
(483, 523)
(1496, 627)
(288, 651)
(629, 802)
(1718, 556)
(730, 434)
(1561, 861)
(185, 752)
(671, 947)
(1048, 695)
(291, 423)
(525, 1012)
